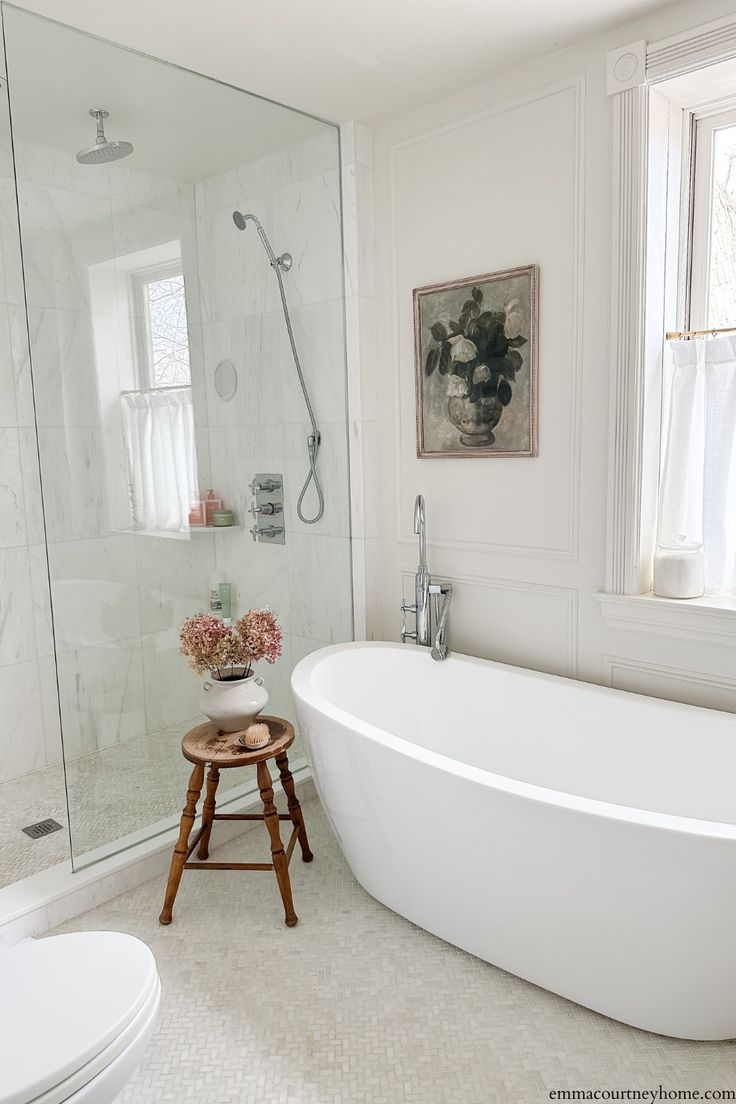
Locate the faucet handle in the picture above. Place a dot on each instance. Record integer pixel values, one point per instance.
(405, 634)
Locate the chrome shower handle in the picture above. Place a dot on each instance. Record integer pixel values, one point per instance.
(268, 509)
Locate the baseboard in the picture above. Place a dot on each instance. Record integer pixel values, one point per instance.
(40, 903)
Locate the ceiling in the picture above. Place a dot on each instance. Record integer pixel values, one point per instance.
(346, 59)
(182, 125)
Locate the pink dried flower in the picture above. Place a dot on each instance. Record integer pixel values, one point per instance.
(209, 645)
(260, 635)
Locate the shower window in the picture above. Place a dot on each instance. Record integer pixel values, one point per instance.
(162, 335)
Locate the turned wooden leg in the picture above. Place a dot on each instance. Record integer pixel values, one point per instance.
(278, 856)
(295, 809)
(208, 813)
(181, 850)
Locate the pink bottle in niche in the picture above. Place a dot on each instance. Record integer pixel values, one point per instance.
(211, 503)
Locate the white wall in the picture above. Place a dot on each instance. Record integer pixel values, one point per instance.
(513, 172)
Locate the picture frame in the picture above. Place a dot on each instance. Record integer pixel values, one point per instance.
(475, 352)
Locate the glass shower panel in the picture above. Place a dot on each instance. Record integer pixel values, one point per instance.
(138, 284)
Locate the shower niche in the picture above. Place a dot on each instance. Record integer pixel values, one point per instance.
(134, 286)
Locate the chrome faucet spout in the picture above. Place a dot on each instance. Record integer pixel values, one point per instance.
(420, 530)
(424, 588)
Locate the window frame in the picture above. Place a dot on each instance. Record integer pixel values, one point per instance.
(703, 60)
(138, 281)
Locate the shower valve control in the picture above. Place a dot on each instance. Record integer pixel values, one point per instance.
(268, 490)
(268, 508)
(265, 484)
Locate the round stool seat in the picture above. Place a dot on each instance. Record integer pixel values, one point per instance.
(73, 1005)
(207, 744)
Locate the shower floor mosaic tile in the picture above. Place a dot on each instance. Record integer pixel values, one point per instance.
(112, 793)
(357, 1006)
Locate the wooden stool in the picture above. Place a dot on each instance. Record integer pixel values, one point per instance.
(207, 744)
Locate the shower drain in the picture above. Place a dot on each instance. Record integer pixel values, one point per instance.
(43, 828)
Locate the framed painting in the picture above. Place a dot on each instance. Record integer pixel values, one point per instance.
(475, 348)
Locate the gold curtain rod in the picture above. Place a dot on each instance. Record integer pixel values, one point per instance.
(678, 335)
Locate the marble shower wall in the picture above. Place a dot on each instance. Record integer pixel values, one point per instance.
(295, 193)
(118, 596)
(29, 737)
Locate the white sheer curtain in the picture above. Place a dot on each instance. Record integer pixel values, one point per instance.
(162, 463)
(698, 486)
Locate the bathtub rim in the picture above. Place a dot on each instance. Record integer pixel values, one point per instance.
(304, 689)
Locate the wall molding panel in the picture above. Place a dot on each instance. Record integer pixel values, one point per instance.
(567, 596)
(614, 665)
(570, 551)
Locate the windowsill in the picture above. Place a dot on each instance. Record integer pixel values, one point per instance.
(180, 534)
(707, 620)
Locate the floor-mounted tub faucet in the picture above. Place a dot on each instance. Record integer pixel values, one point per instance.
(424, 591)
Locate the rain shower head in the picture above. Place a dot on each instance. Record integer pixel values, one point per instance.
(103, 151)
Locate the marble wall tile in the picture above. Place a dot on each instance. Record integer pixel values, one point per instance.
(17, 629)
(257, 398)
(320, 587)
(64, 233)
(12, 512)
(31, 477)
(171, 688)
(94, 590)
(8, 411)
(236, 187)
(38, 564)
(359, 259)
(136, 228)
(259, 575)
(149, 190)
(21, 739)
(173, 579)
(360, 342)
(236, 278)
(307, 223)
(65, 370)
(101, 693)
(313, 156)
(319, 333)
(74, 483)
(18, 340)
(50, 710)
(59, 168)
(334, 473)
(11, 270)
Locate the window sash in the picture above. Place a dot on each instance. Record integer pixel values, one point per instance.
(141, 317)
(701, 215)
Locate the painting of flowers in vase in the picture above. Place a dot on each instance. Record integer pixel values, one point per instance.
(476, 365)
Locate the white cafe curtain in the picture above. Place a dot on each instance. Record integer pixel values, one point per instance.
(698, 484)
(162, 464)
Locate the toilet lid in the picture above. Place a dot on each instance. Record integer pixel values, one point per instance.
(64, 999)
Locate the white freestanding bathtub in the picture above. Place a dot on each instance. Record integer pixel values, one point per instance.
(579, 837)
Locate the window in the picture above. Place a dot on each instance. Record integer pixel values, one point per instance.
(712, 292)
(697, 479)
(162, 336)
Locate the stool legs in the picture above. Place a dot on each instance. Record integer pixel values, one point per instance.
(181, 850)
(278, 855)
(295, 809)
(208, 813)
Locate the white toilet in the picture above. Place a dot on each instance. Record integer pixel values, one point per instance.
(76, 1014)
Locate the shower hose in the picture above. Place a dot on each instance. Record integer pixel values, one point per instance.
(314, 440)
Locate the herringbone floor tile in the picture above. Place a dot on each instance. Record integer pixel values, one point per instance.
(357, 1006)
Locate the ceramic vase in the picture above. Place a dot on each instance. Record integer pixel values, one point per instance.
(233, 702)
